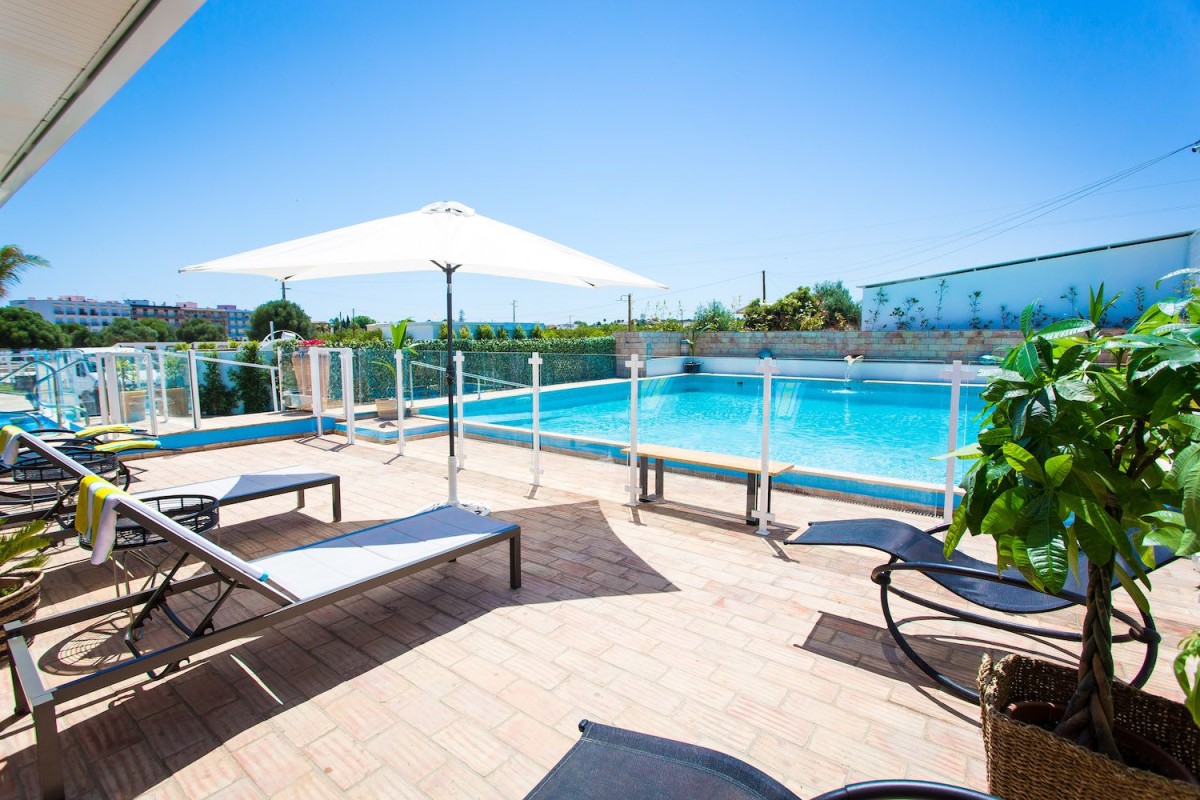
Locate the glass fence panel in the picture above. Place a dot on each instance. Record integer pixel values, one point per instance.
(177, 380)
(218, 397)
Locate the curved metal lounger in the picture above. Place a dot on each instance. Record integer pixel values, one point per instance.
(610, 762)
(914, 550)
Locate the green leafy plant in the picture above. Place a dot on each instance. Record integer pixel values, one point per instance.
(216, 398)
(253, 385)
(1187, 672)
(21, 550)
(1092, 447)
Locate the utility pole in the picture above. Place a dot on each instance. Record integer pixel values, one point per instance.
(628, 298)
(514, 305)
(283, 286)
(764, 286)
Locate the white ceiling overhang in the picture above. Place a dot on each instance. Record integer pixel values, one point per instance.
(60, 61)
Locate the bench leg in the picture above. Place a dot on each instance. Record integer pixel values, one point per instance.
(300, 498)
(337, 500)
(49, 749)
(514, 561)
(751, 496)
(644, 479)
(658, 477)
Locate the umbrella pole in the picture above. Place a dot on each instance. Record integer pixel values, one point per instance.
(452, 462)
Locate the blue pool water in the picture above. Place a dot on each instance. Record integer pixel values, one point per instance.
(877, 429)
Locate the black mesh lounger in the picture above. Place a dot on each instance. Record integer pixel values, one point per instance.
(296, 582)
(914, 550)
(609, 763)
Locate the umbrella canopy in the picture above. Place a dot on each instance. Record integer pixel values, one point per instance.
(448, 237)
(439, 234)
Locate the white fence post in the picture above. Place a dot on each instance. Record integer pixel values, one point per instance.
(956, 373)
(151, 394)
(400, 401)
(162, 383)
(102, 390)
(347, 356)
(762, 513)
(633, 487)
(314, 381)
(459, 360)
(535, 361)
(194, 388)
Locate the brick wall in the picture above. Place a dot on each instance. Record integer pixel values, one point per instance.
(944, 346)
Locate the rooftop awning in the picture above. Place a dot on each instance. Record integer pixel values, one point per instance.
(61, 60)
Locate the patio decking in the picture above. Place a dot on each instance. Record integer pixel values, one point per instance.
(664, 619)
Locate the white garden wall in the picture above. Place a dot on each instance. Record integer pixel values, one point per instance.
(949, 300)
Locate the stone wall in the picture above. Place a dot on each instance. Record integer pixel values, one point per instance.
(944, 346)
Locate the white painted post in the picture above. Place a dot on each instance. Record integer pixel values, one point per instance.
(400, 402)
(768, 368)
(347, 356)
(535, 361)
(162, 383)
(194, 376)
(151, 395)
(956, 373)
(112, 379)
(314, 385)
(459, 359)
(633, 487)
(102, 390)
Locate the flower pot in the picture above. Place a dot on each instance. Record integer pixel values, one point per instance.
(178, 402)
(386, 408)
(20, 604)
(1025, 761)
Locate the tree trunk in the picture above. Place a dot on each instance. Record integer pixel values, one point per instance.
(1089, 716)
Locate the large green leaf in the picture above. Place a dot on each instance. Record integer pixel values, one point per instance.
(954, 534)
(1002, 517)
(1058, 468)
(1189, 481)
(1066, 328)
(1023, 462)
(1074, 390)
(1046, 545)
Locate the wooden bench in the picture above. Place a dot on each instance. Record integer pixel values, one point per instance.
(662, 454)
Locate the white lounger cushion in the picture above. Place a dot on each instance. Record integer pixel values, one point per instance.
(235, 487)
(325, 566)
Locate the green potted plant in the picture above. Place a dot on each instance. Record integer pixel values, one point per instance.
(21, 574)
(1091, 446)
(389, 407)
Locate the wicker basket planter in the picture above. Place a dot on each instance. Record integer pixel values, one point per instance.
(21, 604)
(1024, 761)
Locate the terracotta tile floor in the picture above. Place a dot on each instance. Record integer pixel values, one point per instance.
(663, 619)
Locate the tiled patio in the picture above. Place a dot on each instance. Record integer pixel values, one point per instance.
(663, 619)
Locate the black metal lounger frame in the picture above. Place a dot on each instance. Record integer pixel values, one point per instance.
(32, 695)
(1144, 632)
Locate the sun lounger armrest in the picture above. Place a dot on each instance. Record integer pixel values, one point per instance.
(212, 554)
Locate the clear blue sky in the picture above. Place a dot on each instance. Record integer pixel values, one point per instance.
(696, 143)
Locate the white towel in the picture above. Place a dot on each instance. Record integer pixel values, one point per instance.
(96, 515)
(10, 443)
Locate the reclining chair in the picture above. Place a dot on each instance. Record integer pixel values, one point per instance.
(977, 582)
(296, 582)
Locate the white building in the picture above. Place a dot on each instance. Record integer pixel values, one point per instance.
(93, 314)
(993, 296)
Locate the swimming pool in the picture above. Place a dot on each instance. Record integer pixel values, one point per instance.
(885, 430)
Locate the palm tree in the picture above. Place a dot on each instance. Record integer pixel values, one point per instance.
(14, 261)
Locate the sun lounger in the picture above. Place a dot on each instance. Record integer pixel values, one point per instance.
(297, 582)
(610, 762)
(977, 582)
(238, 489)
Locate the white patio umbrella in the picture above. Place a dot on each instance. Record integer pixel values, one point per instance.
(445, 236)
